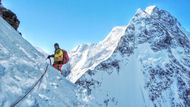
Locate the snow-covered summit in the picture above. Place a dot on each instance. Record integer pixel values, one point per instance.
(151, 9)
(144, 64)
(104, 49)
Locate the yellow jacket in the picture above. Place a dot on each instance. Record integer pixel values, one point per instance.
(58, 55)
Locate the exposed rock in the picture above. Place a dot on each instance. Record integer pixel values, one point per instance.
(9, 16)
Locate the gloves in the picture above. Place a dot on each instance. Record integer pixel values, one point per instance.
(48, 56)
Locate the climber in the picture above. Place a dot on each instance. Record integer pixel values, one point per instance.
(60, 57)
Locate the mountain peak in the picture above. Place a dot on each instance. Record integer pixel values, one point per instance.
(151, 9)
(152, 51)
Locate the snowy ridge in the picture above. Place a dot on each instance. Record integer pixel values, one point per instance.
(87, 57)
(149, 67)
(150, 9)
(43, 52)
(21, 65)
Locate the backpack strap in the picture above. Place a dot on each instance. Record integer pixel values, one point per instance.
(65, 56)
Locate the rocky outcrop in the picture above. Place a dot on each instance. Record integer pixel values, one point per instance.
(10, 17)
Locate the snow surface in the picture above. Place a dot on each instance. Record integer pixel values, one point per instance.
(21, 65)
(143, 64)
(42, 51)
(87, 57)
(150, 9)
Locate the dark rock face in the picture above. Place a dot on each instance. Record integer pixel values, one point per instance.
(10, 17)
(109, 64)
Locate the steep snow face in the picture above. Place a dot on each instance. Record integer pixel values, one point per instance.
(88, 56)
(151, 9)
(149, 67)
(42, 51)
(21, 65)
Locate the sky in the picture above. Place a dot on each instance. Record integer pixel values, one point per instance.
(74, 22)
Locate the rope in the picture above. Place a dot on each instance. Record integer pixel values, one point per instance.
(22, 98)
(41, 79)
(50, 61)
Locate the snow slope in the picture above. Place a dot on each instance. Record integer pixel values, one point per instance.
(86, 57)
(143, 64)
(21, 65)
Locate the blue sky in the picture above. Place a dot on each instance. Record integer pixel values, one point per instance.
(72, 22)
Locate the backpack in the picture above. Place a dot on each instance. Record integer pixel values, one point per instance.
(65, 57)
